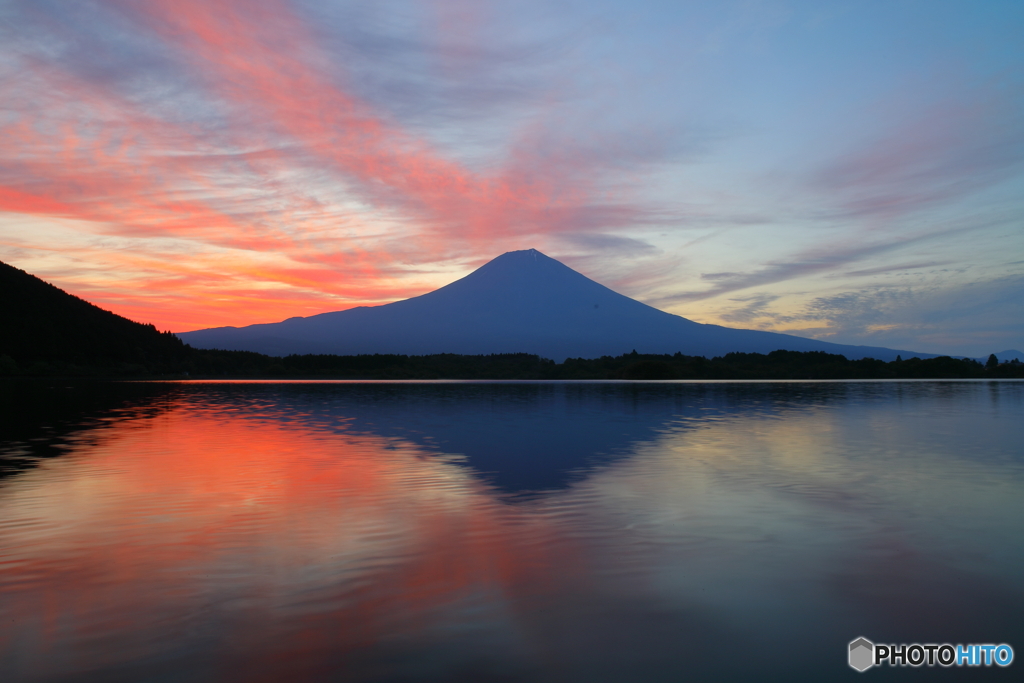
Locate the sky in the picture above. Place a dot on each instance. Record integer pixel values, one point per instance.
(847, 171)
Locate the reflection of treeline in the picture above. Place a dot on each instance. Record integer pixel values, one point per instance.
(46, 332)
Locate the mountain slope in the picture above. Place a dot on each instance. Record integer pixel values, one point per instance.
(40, 323)
(522, 301)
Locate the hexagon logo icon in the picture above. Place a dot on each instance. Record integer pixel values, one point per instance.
(862, 654)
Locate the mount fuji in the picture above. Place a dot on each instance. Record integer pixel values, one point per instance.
(522, 301)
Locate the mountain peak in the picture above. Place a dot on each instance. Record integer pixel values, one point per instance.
(523, 254)
(527, 277)
(522, 257)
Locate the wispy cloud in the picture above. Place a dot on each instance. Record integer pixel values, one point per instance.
(972, 319)
(975, 319)
(626, 247)
(753, 307)
(951, 149)
(827, 258)
(897, 267)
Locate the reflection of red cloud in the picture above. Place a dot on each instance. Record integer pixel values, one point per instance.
(304, 543)
(223, 194)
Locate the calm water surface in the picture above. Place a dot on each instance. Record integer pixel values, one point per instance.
(505, 532)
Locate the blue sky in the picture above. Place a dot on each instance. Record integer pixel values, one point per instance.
(850, 171)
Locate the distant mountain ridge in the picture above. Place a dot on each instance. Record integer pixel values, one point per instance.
(520, 302)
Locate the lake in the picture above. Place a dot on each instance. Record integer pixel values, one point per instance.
(518, 531)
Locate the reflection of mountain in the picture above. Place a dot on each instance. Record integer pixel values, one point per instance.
(521, 436)
(522, 301)
(518, 436)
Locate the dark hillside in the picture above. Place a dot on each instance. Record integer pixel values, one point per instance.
(44, 329)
